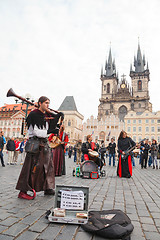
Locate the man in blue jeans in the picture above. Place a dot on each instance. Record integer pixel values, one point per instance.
(111, 149)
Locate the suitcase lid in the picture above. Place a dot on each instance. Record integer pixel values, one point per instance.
(61, 189)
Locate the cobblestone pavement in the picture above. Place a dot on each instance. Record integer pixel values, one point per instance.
(138, 196)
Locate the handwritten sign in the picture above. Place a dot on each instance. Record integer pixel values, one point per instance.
(72, 200)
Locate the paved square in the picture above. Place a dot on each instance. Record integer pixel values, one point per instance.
(139, 197)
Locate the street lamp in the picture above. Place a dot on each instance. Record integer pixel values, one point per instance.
(27, 97)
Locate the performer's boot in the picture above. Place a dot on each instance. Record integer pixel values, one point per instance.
(24, 195)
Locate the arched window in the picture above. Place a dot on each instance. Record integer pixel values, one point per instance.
(122, 111)
(139, 85)
(108, 88)
(102, 135)
(69, 123)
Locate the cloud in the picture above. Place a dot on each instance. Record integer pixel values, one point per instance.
(56, 48)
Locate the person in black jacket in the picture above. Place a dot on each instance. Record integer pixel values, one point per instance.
(11, 148)
(144, 154)
(111, 148)
(125, 143)
(1, 149)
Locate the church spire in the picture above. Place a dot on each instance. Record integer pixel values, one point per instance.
(110, 66)
(139, 62)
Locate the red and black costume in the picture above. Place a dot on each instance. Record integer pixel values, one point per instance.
(58, 154)
(124, 168)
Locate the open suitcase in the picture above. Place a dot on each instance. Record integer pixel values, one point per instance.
(73, 200)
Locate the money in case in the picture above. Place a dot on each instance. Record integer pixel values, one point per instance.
(71, 205)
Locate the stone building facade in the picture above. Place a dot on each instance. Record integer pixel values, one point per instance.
(102, 130)
(142, 125)
(11, 118)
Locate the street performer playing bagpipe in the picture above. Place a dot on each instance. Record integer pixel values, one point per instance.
(37, 173)
(88, 149)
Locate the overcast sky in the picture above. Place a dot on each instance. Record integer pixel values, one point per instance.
(57, 47)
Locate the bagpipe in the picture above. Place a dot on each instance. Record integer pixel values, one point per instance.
(51, 115)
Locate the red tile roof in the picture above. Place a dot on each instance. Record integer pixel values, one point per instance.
(17, 107)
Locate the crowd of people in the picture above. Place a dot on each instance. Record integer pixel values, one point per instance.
(13, 147)
(43, 158)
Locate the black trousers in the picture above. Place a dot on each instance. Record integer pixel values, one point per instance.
(1, 157)
(144, 159)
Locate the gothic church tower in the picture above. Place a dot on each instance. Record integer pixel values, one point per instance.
(140, 80)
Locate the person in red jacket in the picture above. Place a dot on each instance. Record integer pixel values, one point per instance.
(16, 152)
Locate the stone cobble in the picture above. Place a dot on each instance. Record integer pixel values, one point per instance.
(138, 197)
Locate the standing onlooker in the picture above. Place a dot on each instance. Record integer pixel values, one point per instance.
(4, 140)
(11, 148)
(154, 150)
(150, 158)
(111, 148)
(16, 152)
(102, 151)
(78, 148)
(144, 154)
(1, 149)
(96, 145)
(22, 150)
(70, 151)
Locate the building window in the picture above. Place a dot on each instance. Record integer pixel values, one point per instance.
(128, 129)
(147, 129)
(108, 88)
(139, 85)
(158, 129)
(134, 129)
(139, 138)
(134, 121)
(158, 138)
(69, 123)
(139, 121)
(134, 138)
(104, 87)
(139, 105)
(152, 120)
(147, 120)
(139, 129)
(158, 121)
(152, 129)
(128, 121)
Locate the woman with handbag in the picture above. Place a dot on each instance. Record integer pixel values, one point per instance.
(37, 173)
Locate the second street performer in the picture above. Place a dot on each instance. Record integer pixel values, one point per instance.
(37, 173)
(58, 151)
(124, 168)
